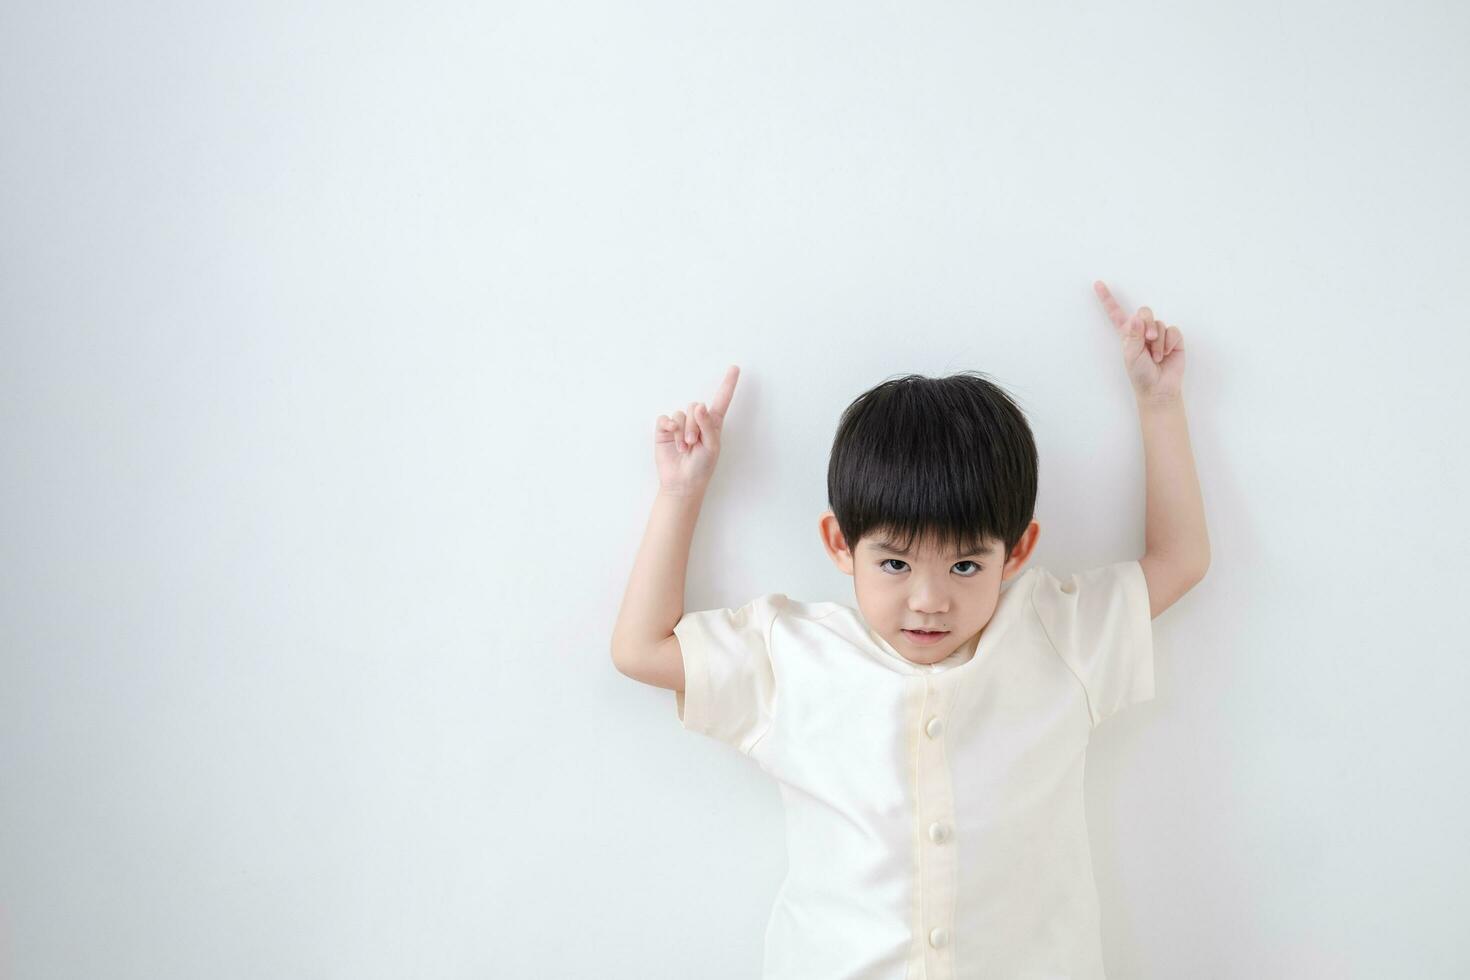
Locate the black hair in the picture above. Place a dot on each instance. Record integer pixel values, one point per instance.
(950, 460)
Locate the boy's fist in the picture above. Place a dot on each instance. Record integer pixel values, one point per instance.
(685, 447)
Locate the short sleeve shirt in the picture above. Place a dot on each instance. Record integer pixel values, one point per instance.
(935, 824)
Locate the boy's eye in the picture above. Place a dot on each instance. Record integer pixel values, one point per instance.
(900, 561)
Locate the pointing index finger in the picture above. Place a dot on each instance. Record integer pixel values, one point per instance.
(1115, 312)
(726, 391)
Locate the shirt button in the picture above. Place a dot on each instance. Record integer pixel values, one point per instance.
(934, 727)
(938, 832)
(939, 938)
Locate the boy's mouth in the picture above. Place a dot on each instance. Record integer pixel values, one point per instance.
(924, 636)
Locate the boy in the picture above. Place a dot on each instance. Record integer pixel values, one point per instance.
(929, 744)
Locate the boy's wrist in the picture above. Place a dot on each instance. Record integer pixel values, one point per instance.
(1158, 401)
(682, 494)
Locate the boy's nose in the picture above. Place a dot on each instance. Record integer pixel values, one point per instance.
(928, 602)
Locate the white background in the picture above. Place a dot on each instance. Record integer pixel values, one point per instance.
(333, 340)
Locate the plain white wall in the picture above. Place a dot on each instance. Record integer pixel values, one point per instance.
(333, 341)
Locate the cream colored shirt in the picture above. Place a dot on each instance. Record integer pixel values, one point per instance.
(935, 827)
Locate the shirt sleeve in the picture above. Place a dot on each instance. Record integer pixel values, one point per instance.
(1099, 622)
(729, 678)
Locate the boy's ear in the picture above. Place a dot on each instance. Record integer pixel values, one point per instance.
(1021, 553)
(833, 541)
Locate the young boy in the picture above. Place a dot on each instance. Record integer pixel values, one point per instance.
(928, 744)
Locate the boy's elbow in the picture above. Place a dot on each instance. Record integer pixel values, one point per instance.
(619, 657)
(661, 665)
(626, 658)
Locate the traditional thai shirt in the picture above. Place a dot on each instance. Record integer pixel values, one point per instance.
(935, 825)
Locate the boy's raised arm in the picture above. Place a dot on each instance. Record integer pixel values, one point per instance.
(644, 646)
(1176, 540)
(685, 449)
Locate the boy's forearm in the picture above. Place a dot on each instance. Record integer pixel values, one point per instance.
(1175, 525)
(653, 602)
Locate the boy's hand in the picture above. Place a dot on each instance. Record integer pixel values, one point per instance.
(1153, 353)
(686, 447)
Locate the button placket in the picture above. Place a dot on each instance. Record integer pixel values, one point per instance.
(934, 812)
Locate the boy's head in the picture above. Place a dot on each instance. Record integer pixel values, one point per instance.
(934, 479)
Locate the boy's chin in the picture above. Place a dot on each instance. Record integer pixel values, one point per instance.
(924, 653)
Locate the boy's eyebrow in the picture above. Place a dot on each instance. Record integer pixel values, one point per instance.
(892, 546)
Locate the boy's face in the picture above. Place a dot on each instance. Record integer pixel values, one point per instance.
(897, 592)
